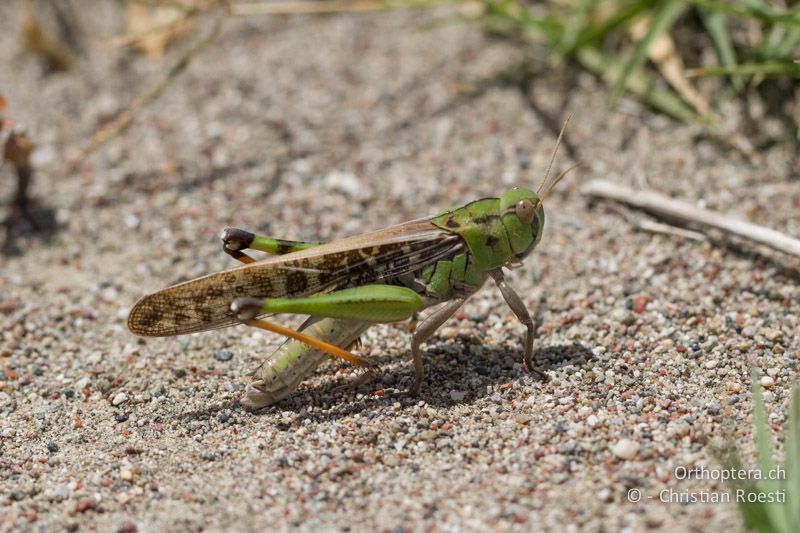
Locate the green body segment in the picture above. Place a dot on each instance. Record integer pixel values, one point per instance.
(443, 277)
(373, 303)
(440, 285)
(278, 376)
(492, 230)
(479, 224)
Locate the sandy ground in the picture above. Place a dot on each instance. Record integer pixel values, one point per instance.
(318, 128)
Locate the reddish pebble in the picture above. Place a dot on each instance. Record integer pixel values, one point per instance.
(86, 504)
(570, 319)
(380, 392)
(8, 306)
(640, 304)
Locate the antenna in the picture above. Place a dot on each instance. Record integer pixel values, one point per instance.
(558, 178)
(550, 164)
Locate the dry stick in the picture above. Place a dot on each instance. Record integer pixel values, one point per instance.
(656, 227)
(110, 130)
(666, 207)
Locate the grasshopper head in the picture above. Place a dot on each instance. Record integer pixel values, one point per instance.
(522, 212)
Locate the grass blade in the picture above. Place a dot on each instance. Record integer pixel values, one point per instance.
(746, 9)
(598, 31)
(662, 21)
(575, 26)
(715, 24)
(608, 68)
(793, 461)
(764, 448)
(773, 68)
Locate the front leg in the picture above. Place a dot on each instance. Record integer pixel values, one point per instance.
(518, 307)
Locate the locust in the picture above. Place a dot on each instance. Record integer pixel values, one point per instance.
(345, 286)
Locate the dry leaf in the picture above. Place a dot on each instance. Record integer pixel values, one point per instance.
(50, 48)
(663, 53)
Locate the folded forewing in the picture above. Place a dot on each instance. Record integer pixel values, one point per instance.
(204, 303)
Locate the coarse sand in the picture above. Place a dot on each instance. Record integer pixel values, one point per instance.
(316, 128)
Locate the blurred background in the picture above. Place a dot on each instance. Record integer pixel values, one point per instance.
(134, 131)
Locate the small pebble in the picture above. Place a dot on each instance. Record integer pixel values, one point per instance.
(771, 334)
(457, 395)
(522, 418)
(224, 355)
(119, 398)
(625, 449)
(767, 382)
(83, 505)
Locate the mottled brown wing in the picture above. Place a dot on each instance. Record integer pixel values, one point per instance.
(204, 303)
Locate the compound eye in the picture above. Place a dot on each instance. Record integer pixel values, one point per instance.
(525, 211)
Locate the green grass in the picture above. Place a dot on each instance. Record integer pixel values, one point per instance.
(766, 516)
(745, 45)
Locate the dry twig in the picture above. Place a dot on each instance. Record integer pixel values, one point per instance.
(652, 226)
(687, 214)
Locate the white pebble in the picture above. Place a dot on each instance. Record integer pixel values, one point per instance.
(132, 221)
(625, 449)
(121, 397)
(767, 382)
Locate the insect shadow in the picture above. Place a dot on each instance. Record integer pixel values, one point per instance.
(452, 376)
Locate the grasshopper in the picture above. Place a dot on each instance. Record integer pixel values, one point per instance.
(389, 275)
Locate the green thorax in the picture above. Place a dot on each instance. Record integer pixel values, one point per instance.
(479, 223)
(492, 230)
